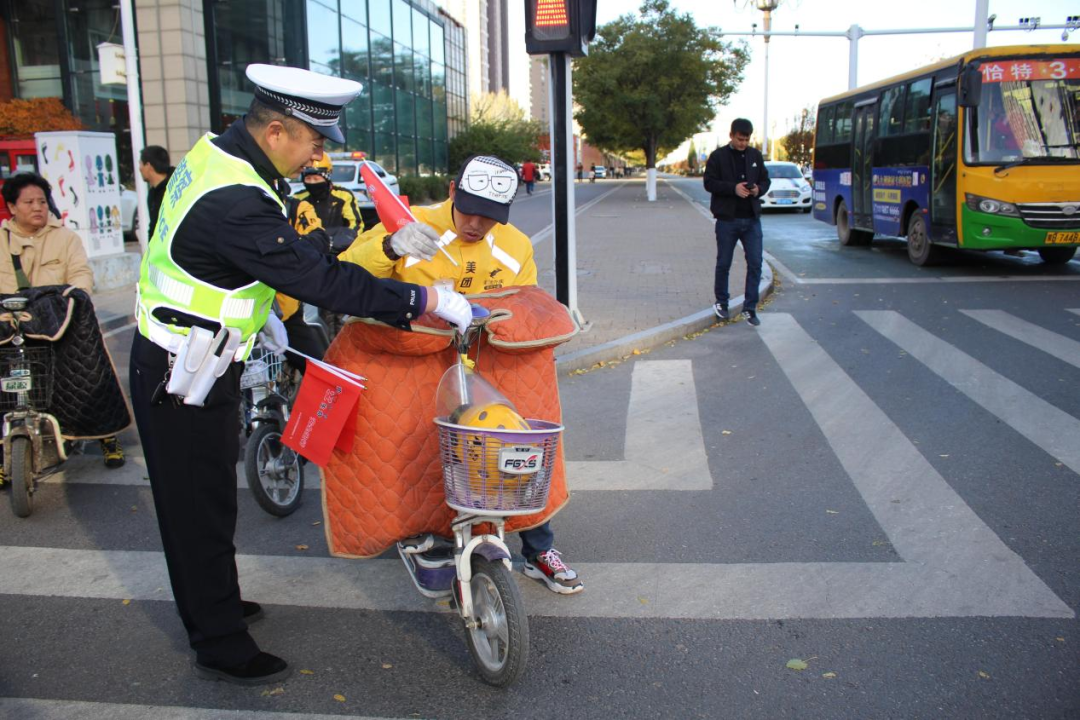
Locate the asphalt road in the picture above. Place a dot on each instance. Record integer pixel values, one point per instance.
(879, 482)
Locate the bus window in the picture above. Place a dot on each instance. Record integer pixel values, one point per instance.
(917, 113)
(825, 125)
(842, 125)
(892, 112)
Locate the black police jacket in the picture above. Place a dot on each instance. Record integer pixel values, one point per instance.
(235, 235)
(722, 175)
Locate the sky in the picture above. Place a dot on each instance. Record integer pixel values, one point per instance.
(803, 70)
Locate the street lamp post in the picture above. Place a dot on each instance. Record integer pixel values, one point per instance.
(767, 7)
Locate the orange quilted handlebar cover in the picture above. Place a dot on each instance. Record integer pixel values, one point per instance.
(390, 486)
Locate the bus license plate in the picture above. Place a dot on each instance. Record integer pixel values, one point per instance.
(1062, 238)
(15, 384)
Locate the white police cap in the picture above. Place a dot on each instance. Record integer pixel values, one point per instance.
(308, 96)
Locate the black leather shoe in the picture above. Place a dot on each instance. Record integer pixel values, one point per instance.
(253, 611)
(262, 669)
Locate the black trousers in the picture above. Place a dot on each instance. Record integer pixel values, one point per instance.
(191, 455)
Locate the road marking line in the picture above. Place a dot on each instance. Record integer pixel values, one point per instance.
(665, 448)
(1065, 349)
(88, 470)
(547, 231)
(117, 331)
(989, 583)
(1048, 427)
(954, 565)
(82, 710)
(1075, 311)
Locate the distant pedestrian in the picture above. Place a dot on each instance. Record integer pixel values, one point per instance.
(580, 171)
(592, 174)
(736, 177)
(528, 175)
(155, 170)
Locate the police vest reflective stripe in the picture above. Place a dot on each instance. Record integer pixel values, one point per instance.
(164, 284)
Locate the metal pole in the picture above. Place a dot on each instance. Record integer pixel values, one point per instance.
(562, 170)
(853, 34)
(131, 69)
(765, 119)
(982, 10)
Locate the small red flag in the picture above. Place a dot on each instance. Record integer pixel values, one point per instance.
(393, 213)
(324, 409)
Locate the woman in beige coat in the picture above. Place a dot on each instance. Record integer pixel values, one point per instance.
(41, 251)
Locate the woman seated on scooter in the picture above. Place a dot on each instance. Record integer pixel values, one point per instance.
(41, 251)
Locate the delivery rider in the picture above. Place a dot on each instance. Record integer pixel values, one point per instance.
(336, 206)
(473, 227)
(221, 247)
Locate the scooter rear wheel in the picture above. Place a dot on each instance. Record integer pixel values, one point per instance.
(274, 472)
(22, 476)
(499, 644)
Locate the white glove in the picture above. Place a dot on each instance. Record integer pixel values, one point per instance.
(453, 308)
(416, 240)
(273, 336)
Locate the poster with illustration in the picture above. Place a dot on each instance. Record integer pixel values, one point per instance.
(83, 171)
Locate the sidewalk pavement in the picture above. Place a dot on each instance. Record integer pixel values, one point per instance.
(645, 275)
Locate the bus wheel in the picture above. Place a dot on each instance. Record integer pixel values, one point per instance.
(920, 250)
(848, 235)
(1056, 256)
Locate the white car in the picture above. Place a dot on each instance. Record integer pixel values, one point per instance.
(543, 171)
(788, 188)
(346, 173)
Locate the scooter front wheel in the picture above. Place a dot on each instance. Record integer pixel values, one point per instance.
(274, 472)
(499, 638)
(22, 476)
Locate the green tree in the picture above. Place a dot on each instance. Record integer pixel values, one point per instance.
(799, 143)
(691, 158)
(653, 79)
(497, 127)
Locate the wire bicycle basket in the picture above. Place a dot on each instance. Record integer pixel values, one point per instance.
(505, 472)
(261, 368)
(26, 372)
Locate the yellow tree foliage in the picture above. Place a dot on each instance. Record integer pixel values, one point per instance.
(23, 118)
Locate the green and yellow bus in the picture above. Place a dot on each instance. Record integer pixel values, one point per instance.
(981, 152)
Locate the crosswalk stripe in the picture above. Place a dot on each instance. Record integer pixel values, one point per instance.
(80, 710)
(1063, 348)
(665, 448)
(953, 564)
(1050, 428)
(957, 580)
(87, 470)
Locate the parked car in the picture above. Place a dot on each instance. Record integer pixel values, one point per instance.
(346, 173)
(543, 171)
(601, 172)
(787, 189)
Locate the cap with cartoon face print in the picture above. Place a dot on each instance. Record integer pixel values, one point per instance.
(486, 186)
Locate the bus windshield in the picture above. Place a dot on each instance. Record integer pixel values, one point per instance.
(1029, 112)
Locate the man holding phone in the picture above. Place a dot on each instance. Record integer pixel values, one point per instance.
(736, 177)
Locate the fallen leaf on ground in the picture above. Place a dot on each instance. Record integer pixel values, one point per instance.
(797, 664)
(725, 432)
(833, 512)
(317, 522)
(829, 675)
(643, 601)
(275, 691)
(127, 601)
(307, 672)
(983, 675)
(943, 456)
(387, 666)
(339, 698)
(301, 547)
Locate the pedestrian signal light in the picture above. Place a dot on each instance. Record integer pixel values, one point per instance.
(552, 20)
(553, 26)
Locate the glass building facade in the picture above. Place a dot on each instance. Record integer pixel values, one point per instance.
(52, 51)
(409, 56)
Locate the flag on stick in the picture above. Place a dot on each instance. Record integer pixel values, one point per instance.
(393, 212)
(324, 412)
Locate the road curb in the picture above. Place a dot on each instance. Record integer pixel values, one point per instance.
(655, 336)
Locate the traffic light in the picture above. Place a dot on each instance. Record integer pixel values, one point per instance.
(553, 26)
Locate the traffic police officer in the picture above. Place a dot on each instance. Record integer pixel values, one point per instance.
(221, 248)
